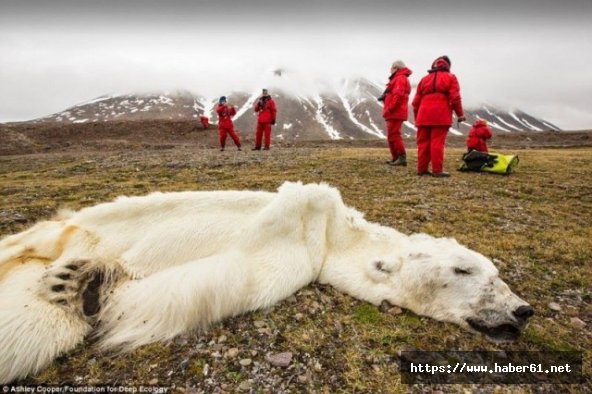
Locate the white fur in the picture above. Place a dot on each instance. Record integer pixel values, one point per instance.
(174, 262)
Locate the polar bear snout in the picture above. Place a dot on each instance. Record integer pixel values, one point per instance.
(501, 327)
(523, 312)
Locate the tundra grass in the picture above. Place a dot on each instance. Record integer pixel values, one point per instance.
(534, 224)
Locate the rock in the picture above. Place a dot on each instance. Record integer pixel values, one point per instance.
(279, 359)
(232, 353)
(555, 306)
(303, 378)
(265, 331)
(395, 310)
(18, 218)
(259, 323)
(299, 316)
(245, 385)
(153, 382)
(577, 322)
(183, 364)
(245, 362)
(384, 306)
(318, 367)
(222, 339)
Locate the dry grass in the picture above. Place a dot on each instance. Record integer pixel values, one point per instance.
(535, 224)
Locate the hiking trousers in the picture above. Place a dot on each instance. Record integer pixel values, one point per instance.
(430, 147)
(224, 131)
(263, 129)
(394, 138)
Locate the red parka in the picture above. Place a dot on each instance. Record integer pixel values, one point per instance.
(225, 114)
(266, 109)
(478, 136)
(438, 94)
(396, 96)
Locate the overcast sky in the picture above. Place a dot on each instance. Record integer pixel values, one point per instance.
(534, 55)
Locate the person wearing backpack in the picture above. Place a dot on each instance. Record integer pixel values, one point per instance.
(395, 111)
(225, 126)
(478, 136)
(437, 96)
(266, 111)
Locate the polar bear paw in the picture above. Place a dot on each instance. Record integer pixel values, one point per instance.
(64, 284)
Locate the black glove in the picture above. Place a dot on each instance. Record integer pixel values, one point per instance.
(381, 98)
(273, 122)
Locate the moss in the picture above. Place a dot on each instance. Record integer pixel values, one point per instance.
(368, 314)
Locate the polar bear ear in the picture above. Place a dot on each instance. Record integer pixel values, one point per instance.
(380, 270)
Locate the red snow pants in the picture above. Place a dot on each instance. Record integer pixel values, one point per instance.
(430, 147)
(224, 131)
(395, 141)
(263, 128)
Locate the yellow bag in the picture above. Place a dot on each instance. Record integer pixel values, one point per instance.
(489, 162)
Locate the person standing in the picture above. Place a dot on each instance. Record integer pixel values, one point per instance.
(266, 111)
(225, 126)
(395, 111)
(437, 96)
(478, 136)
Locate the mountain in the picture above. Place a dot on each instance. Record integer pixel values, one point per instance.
(348, 110)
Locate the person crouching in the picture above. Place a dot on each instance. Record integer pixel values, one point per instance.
(225, 126)
(478, 136)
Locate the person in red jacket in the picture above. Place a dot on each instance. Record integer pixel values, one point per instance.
(395, 111)
(478, 136)
(267, 111)
(225, 126)
(205, 122)
(438, 94)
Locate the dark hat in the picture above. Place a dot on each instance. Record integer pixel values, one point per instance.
(264, 91)
(446, 59)
(222, 99)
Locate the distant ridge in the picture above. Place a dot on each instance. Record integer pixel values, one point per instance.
(351, 111)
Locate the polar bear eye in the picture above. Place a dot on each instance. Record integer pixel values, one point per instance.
(461, 271)
(380, 266)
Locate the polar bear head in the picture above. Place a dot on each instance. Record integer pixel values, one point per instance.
(439, 278)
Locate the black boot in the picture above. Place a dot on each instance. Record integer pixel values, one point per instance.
(401, 161)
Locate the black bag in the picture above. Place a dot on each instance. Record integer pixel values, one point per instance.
(475, 160)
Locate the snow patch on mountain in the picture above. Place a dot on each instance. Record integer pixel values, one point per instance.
(322, 119)
(530, 125)
(506, 123)
(348, 109)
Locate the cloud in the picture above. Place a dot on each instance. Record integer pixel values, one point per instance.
(524, 54)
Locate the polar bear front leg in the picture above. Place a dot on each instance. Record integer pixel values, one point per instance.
(175, 300)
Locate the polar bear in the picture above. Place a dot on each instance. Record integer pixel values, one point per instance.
(144, 269)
